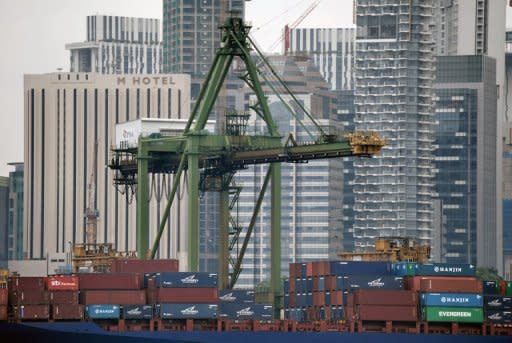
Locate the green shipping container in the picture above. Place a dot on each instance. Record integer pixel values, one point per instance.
(453, 314)
(509, 288)
(411, 269)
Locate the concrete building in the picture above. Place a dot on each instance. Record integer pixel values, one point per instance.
(118, 45)
(15, 232)
(4, 219)
(465, 159)
(67, 117)
(311, 220)
(394, 75)
(507, 203)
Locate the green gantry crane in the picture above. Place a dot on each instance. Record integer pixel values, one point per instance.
(211, 160)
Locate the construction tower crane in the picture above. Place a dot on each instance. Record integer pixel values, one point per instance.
(91, 212)
(285, 37)
(211, 160)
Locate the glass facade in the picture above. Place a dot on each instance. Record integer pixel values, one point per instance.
(15, 230)
(393, 96)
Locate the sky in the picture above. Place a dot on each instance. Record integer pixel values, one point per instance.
(34, 34)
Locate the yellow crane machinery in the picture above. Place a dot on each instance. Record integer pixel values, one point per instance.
(393, 249)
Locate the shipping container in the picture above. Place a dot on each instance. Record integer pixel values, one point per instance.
(384, 313)
(103, 311)
(144, 266)
(32, 312)
(3, 296)
(186, 280)
(109, 281)
(499, 317)
(385, 297)
(186, 311)
(246, 311)
(306, 269)
(321, 268)
(68, 312)
(29, 297)
(62, 283)
(451, 299)
(118, 297)
(453, 314)
(137, 311)
(3, 312)
(490, 288)
(64, 297)
(508, 289)
(21, 283)
(236, 296)
(497, 302)
(185, 295)
(445, 269)
(359, 268)
(438, 284)
(404, 268)
(373, 282)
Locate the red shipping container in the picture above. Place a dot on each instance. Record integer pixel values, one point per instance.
(32, 312)
(3, 296)
(28, 297)
(64, 297)
(187, 295)
(385, 313)
(144, 266)
(318, 299)
(292, 284)
(321, 268)
(385, 297)
(295, 270)
(68, 312)
(337, 298)
(26, 283)
(349, 313)
(152, 283)
(62, 283)
(118, 297)
(444, 284)
(3, 312)
(293, 300)
(308, 268)
(110, 281)
(330, 283)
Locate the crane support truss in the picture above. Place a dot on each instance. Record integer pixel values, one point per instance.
(211, 160)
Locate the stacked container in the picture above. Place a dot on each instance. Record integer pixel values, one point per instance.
(28, 298)
(383, 305)
(3, 301)
(319, 290)
(103, 293)
(448, 292)
(497, 307)
(240, 305)
(63, 296)
(183, 295)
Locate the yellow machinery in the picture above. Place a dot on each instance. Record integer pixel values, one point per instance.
(4, 275)
(96, 257)
(393, 249)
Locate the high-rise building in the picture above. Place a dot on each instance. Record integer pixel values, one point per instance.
(4, 219)
(191, 37)
(332, 51)
(394, 75)
(15, 232)
(311, 220)
(465, 159)
(118, 45)
(507, 203)
(70, 121)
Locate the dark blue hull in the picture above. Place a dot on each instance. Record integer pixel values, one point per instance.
(90, 333)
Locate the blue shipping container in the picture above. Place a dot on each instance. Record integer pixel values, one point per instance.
(490, 287)
(373, 281)
(246, 311)
(445, 269)
(188, 311)
(192, 280)
(500, 317)
(102, 311)
(360, 268)
(451, 299)
(286, 286)
(236, 296)
(497, 302)
(137, 311)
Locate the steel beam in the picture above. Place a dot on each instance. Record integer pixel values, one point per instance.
(223, 245)
(275, 235)
(142, 234)
(193, 203)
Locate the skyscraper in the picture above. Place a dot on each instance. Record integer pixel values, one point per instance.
(465, 159)
(118, 45)
(4, 220)
(394, 74)
(311, 219)
(15, 233)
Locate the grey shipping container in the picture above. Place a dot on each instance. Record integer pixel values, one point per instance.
(497, 302)
(499, 317)
(137, 311)
(236, 296)
(246, 311)
(186, 311)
